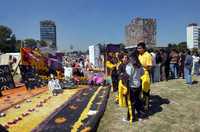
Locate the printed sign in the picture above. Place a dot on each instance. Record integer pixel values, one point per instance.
(6, 78)
(30, 76)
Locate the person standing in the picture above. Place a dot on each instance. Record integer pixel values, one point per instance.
(153, 68)
(157, 67)
(10, 62)
(123, 79)
(188, 67)
(174, 59)
(68, 71)
(146, 62)
(163, 56)
(181, 64)
(111, 66)
(196, 64)
(135, 71)
(114, 74)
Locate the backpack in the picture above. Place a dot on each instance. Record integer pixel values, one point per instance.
(134, 81)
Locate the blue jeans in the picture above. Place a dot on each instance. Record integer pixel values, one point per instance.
(196, 68)
(174, 70)
(157, 73)
(188, 75)
(152, 73)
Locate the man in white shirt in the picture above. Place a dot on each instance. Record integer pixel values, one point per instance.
(68, 72)
(196, 64)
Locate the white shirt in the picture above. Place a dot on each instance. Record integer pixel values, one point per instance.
(153, 58)
(195, 59)
(68, 72)
(54, 84)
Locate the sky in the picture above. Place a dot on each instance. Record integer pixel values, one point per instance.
(86, 22)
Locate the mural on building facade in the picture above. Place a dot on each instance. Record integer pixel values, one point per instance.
(141, 30)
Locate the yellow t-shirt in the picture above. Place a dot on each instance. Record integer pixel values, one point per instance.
(110, 65)
(145, 60)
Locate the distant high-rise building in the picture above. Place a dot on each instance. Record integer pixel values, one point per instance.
(141, 30)
(193, 36)
(48, 32)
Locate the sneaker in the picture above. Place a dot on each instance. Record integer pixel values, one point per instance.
(140, 119)
(125, 120)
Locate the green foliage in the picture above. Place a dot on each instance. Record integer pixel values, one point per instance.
(182, 46)
(18, 45)
(7, 40)
(30, 43)
(43, 43)
(195, 50)
(5, 33)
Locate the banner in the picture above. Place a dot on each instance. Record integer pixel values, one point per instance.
(6, 78)
(34, 58)
(30, 77)
(42, 60)
(113, 48)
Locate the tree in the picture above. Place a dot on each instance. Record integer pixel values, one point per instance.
(30, 43)
(7, 39)
(122, 46)
(52, 46)
(12, 43)
(195, 50)
(5, 33)
(182, 46)
(43, 43)
(18, 45)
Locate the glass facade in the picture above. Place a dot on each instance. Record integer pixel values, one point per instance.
(193, 36)
(48, 32)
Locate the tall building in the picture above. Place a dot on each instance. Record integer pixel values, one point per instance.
(94, 55)
(193, 36)
(141, 30)
(48, 32)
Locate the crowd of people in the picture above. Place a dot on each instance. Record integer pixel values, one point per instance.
(173, 65)
(79, 64)
(131, 74)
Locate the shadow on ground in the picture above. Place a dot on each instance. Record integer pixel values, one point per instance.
(194, 82)
(155, 104)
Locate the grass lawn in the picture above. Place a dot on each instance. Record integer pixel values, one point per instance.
(174, 108)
